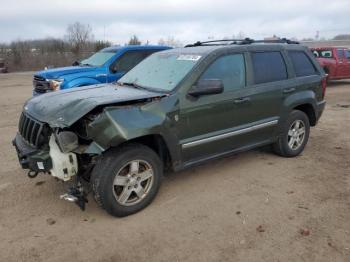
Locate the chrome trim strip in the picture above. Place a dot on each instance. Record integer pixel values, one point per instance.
(232, 133)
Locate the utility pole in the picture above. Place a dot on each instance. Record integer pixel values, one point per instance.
(317, 36)
(104, 33)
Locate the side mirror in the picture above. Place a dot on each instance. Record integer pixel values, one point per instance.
(207, 87)
(113, 69)
(75, 63)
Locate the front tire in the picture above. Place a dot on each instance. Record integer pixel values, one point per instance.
(295, 135)
(126, 179)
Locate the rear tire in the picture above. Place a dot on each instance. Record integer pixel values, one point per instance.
(126, 179)
(295, 135)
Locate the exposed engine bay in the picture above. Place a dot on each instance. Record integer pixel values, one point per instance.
(64, 165)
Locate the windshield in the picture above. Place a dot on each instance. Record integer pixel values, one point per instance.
(162, 71)
(324, 53)
(97, 59)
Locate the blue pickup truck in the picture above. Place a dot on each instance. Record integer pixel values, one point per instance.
(105, 66)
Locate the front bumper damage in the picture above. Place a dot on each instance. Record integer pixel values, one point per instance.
(52, 161)
(30, 158)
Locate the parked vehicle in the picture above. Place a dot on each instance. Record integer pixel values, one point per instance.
(3, 67)
(335, 61)
(105, 66)
(175, 109)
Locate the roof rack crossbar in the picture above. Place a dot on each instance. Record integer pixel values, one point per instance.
(217, 42)
(245, 41)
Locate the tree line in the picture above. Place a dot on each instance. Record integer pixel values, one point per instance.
(77, 43)
(23, 55)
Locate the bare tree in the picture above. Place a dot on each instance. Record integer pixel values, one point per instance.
(170, 41)
(241, 35)
(134, 40)
(101, 44)
(78, 36)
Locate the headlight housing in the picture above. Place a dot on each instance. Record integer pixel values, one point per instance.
(55, 84)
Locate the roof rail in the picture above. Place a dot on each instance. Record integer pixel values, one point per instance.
(245, 41)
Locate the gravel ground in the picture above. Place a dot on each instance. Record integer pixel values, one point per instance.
(254, 206)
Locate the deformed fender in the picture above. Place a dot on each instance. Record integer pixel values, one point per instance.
(118, 124)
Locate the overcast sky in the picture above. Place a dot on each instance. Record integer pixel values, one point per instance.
(186, 20)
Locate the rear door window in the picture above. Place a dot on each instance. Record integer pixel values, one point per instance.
(268, 67)
(302, 64)
(230, 69)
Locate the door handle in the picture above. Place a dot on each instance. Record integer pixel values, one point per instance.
(288, 90)
(241, 100)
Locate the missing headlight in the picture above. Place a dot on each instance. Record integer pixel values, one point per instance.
(67, 141)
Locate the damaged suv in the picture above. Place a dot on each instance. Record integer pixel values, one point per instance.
(175, 109)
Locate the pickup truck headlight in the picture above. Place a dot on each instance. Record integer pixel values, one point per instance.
(55, 84)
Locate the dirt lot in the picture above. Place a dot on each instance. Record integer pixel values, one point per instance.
(254, 206)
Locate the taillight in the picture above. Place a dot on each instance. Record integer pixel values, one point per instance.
(324, 86)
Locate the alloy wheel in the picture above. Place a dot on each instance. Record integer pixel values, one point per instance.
(296, 134)
(133, 182)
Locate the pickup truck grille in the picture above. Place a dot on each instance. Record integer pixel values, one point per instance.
(35, 133)
(40, 84)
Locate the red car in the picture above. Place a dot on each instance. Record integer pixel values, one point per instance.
(334, 60)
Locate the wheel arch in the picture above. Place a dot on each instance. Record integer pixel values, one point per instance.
(309, 110)
(304, 101)
(157, 143)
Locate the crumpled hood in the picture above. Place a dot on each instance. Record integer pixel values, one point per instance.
(55, 73)
(65, 107)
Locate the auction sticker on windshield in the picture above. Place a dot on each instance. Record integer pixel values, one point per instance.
(189, 57)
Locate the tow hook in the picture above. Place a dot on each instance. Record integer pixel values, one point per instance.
(32, 174)
(77, 195)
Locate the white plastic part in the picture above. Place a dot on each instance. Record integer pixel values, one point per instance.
(64, 165)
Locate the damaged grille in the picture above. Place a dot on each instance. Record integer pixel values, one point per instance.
(35, 133)
(40, 84)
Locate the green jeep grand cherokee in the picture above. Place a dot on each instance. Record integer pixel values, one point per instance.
(175, 109)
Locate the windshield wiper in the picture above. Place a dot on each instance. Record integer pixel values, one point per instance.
(86, 64)
(133, 84)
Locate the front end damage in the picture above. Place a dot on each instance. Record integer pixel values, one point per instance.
(69, 152)
(41, 149)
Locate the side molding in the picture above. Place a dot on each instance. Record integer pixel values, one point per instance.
(229, 134)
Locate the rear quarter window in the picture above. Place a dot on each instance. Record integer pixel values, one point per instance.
(302, 64)
(268, 67)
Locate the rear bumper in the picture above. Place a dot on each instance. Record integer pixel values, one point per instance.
(320, 108)
(30, 157)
